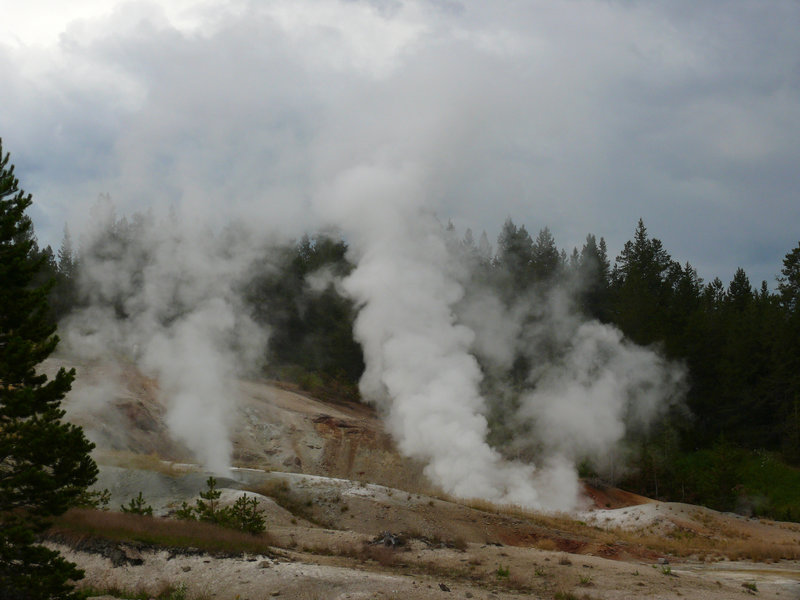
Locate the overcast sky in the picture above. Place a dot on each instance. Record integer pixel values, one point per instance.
(582, 116)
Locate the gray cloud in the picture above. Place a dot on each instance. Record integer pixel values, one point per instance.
(579, 116)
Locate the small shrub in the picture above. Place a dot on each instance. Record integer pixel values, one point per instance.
(185, 512)
(750, 586)
(208, 509)
(459, 543)
(97, 499)
(502, 572)
(546, 544)
(138, 506)
(246, 516)
(585, 580)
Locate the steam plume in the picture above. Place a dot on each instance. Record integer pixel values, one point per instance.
(163, 296)
(166, 297)
(422, 373)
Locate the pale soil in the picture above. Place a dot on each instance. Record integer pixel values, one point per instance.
(329, 461)
(418, 571)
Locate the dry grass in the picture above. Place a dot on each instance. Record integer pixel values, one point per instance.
(299, 505)
(725, 541)
(78, 525)
(155, 590)
(144, 462)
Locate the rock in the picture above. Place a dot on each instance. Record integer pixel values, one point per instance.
(125, 555)
(264, 564)
(388, 539)
(468, 594)
(443, 587)
(663, 561)
(186, 568)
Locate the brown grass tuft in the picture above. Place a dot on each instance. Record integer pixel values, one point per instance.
(79, 524)
(144, 462)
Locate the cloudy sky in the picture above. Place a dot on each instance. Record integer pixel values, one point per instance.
(579, 115)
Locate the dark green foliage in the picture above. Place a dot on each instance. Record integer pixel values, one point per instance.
(138, 506)
(244, 515)
(513, 259)
(45, 465)
(311, 324)
(94, 499)
(789, 286)
(546, 262)
(592, 271)
(640, 284)
(64, 296)
(207, 507)
(185, 512)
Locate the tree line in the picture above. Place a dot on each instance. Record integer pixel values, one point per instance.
(740, 344)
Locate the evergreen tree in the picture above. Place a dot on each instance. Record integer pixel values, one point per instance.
(593, 274)
(513, 259)
(66, 255)
(786, 353)
(642, 288)
(789, 282)
(740, 292)
(546, 260)
(44, 463)
(64, 295)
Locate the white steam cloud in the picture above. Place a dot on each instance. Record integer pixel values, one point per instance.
(163, 295)
(166, 296)
(419, 369)
(420, 334)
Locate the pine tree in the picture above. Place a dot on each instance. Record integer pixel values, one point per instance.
(789, 281)
(546, 261)
(593, 274)
(641, 287)
(513, 259)
(44, 463)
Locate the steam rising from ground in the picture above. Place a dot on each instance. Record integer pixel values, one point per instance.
(418, 366)
(164, 296)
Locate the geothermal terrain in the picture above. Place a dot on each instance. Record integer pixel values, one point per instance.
(349, 517)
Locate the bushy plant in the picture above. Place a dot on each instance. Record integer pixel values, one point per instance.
(244, 515)
(138, 506)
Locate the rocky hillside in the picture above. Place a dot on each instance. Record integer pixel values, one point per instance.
(348, 517)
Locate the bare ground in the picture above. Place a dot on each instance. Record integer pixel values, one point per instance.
(330, 481)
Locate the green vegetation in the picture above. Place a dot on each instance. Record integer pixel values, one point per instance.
(138, 506)
(45, 465)
(244, 515)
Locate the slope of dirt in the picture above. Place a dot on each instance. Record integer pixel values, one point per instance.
(330, 481)
(273, 428)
